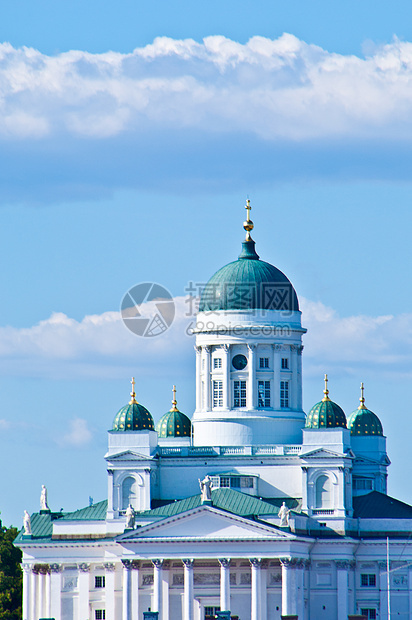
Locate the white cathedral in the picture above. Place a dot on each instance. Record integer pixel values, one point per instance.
(250, 508)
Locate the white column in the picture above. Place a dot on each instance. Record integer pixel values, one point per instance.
(226, 376)
(256, 611)
(198, 378)
(288, 586)
(33, 595)
(251, 391)
(110, 576)
(110, 509)
(26, 591)
(84, 587)
(48, 593)
(206, 377)
(188, 591)
(165, 591)
(157, 587)
(300, 589)
(55, 591)
(40, 594)
(342, 567)
(224, 584)
(264, 594)
(135, 590)
(127, 589)
(383, 590)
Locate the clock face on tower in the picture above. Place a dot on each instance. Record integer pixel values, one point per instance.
(239, 362)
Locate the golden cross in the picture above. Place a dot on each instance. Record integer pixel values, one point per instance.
(133, 393)
(174, 401)
(248, 209)
(362, 398)
(326, 391)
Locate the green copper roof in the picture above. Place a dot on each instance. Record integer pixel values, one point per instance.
(248, 283)
(96, 512)
(133, 417)
(226, 499)
(326, 414)
(174, 423)
(363, 421)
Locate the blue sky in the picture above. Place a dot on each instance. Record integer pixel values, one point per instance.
(130, 137)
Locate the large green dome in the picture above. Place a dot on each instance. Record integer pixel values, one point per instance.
(363, 421)
(174, 423)
(326, 413)
(247, 284)
(133, 417)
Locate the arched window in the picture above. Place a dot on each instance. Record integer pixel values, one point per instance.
(129, 492)
(323, 492)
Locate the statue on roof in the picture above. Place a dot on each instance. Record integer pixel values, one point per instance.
(283, 515)
(43, 498)
(206, 489)
(130, 515)
(26, 523)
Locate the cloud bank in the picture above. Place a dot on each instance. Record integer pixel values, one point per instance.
(95, 122)
(99, 345)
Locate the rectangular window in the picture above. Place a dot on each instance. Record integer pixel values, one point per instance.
(224, 481)
(217, 393)
(239, 393)
(263, 393)
(368, 580)
(363, 484)
(284, 394)
(246, 482)
(210, 612)
(285, 363)
(369, 613)
(99, 581)
(235, 483)
(217, 362)
(264, 362)
(100, 614)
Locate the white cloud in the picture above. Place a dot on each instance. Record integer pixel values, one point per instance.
(379, 343)
(79, 433)
(101, 346)
(283, 88)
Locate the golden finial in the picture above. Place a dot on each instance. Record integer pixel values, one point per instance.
(362, 398)
(174, 401)
(248, 224)
(326, 391)
(133, 401)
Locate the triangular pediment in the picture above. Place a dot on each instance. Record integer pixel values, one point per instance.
(205, 523)
(127, 455)
(323, 453)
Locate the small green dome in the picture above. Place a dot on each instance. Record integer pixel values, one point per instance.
(248, 284)
(364, 422)
(174, 423)
(133, 417)
(326, 413)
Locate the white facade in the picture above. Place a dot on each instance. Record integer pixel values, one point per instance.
(185, 558)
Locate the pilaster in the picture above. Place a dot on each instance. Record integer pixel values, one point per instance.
(110, 575)
(84, 587)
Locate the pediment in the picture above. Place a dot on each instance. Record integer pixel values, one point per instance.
(127, 455)
(322, 453)
(207, 524)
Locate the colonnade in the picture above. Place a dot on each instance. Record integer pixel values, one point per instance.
(42, 589)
